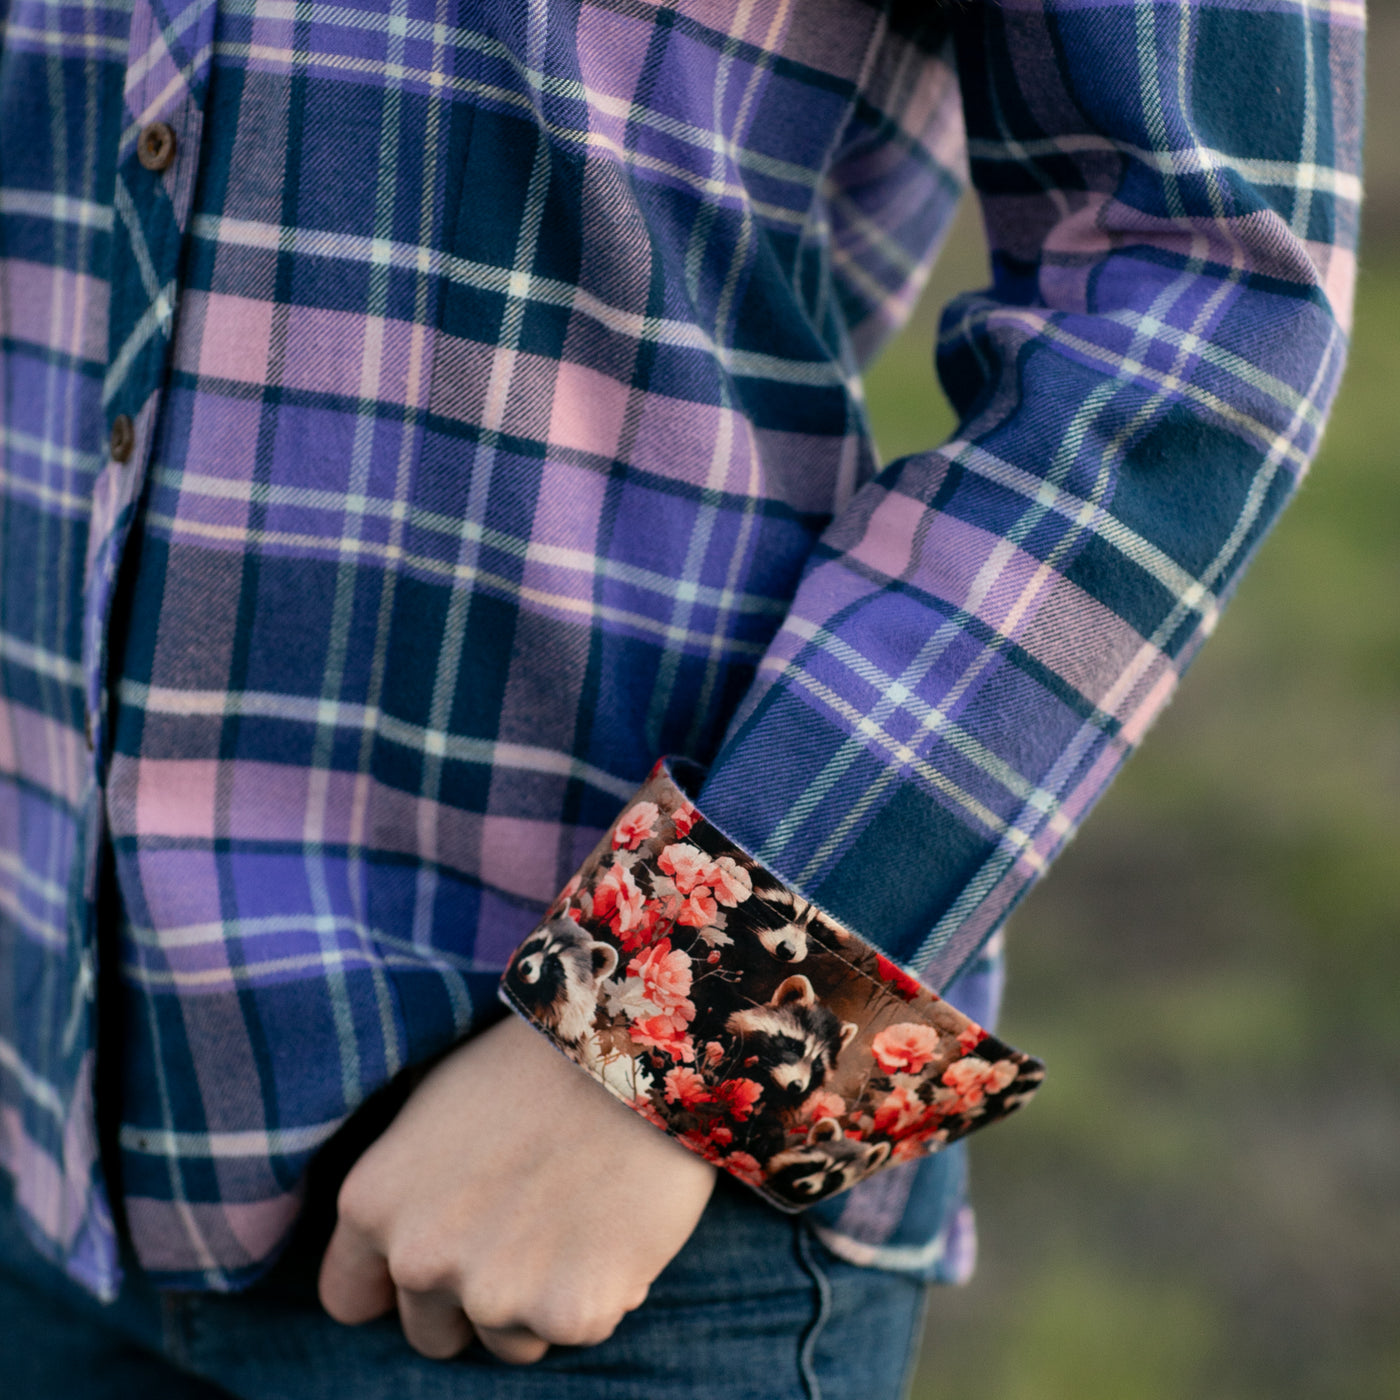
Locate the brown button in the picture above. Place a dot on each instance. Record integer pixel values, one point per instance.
(123, 438)
(156, 147)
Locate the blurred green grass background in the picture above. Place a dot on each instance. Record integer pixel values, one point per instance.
(1204, 1201)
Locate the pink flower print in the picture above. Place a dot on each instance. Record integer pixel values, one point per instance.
(918, 1145)
(973, 1078)
(645, 930)
(731, 883)
(738, 1096)
(665, 1033)
(635, 825)
(714, 1052)
(698, 909)
(686, 1087)
(905, 1048)
(905, 985)
(744, 1166)
(901, 1115)
(970, 1038)
(665, 973)
(685, 864)
(685, 816)
(824, 1104)
(617, 899)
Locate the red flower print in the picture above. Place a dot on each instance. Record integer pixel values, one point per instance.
(744, 1166)
(974, 1078)
(645, 930)
(665, 972)
(685, 816)
(685, 864)
(685, 1087)
(901, 1115)
(698, 909)
(824, 1104)
(970, 1038)
(708, 1144)
(731, 883)
(713, 956)
(905, 1048)
(907, 986)
(738, 1096)
(635, 825)
(666, 1034)
(617, 899)
(907, 1149)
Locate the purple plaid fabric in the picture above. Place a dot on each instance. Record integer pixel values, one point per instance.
(492, 379)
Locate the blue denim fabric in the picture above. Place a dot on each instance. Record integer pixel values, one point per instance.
(753, 1308)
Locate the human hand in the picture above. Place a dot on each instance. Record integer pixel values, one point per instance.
(494, 1206)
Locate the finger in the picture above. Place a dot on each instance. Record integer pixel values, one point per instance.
(433, 1323)
(517, 1345)
(354, 1283)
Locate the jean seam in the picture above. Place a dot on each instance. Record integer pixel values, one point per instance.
(916, 1341)
(821, 1286)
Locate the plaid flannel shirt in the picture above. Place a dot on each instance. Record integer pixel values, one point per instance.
(419, 415)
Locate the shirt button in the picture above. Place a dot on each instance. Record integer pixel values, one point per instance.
(123, 438)
(155, 148)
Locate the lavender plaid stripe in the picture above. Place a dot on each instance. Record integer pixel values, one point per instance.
(494, 379)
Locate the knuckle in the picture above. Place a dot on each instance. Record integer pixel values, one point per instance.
(575, 1322)
(490, 1311)
(420, 1266)
(356, 1202)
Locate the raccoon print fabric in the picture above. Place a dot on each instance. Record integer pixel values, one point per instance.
(707, 996)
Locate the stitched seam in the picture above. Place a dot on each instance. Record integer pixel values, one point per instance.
(821, 1285)
(819, 935)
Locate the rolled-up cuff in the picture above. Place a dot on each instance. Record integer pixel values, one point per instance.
(716, 1002)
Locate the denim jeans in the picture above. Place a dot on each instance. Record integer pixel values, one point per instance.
(753, 1308)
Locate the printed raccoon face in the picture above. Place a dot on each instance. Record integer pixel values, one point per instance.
(788, 942)
(791, 1044)
(556, 975)
(827, 1163)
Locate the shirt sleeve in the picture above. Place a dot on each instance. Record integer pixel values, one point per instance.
(985, 632)
(981, 637)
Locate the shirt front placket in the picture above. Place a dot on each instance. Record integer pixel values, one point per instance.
(169, 48)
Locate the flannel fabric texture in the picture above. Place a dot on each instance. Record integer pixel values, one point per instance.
(418, 415)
